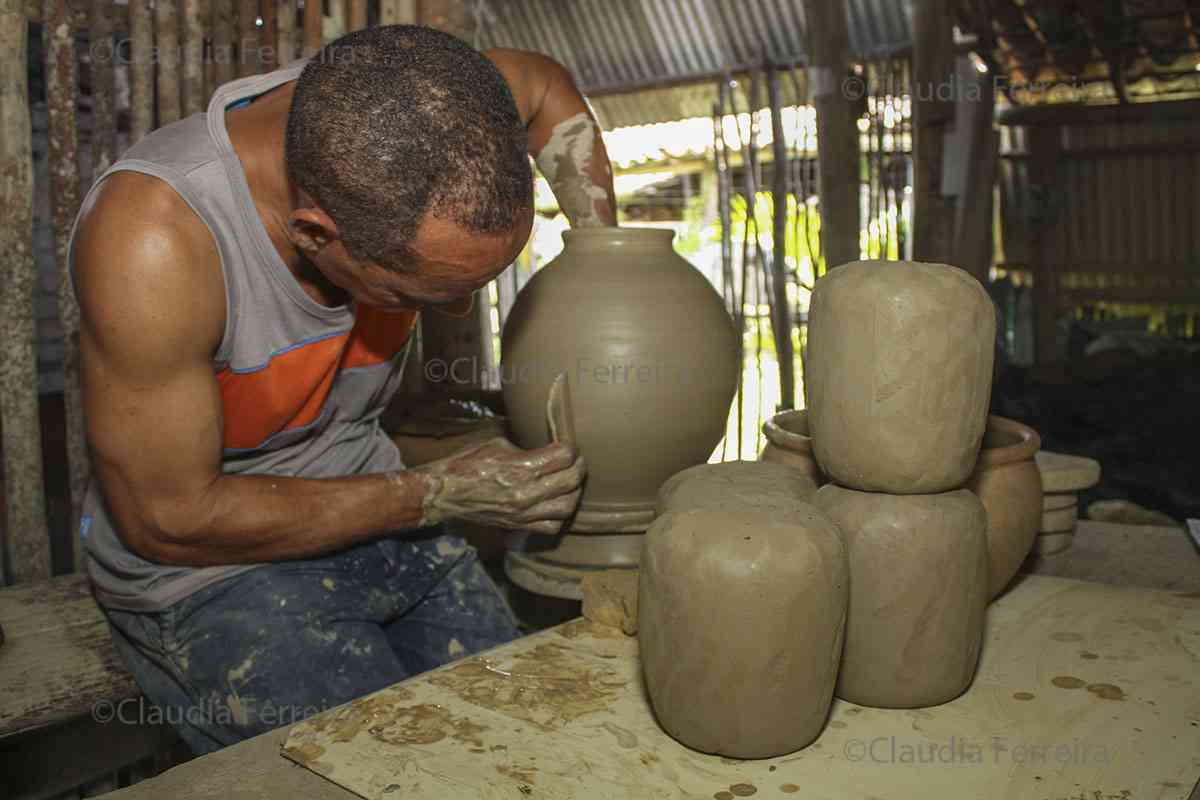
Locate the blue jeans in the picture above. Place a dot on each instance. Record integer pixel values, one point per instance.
(273, 645)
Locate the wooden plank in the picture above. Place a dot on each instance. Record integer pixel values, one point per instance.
(58, 661)
(141, 71)
(399, 12)
(63, 156)
(837, 130)
(313, 22)
(103, 52)
(25, 551)
(268, 34)
(1080, 114)
(166, 41)
(1081, 687)
(226, 53)
(358, 15)
(1044, 169)
(249, 55)
(193, 57)
(285, 20)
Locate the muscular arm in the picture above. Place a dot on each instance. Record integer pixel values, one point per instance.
(564, 137)
(153, 304)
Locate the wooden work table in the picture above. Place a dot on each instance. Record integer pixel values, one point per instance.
(1084, 690)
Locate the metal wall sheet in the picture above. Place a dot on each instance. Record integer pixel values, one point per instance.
(626, 45)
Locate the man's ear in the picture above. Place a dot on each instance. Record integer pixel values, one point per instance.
(310, 229)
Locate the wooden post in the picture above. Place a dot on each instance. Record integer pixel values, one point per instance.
(836, 97)
(1044, 151)
(141, 70)
(226, 53)
(313, 21)
(27, 542)
(781, 317)
(192, 56)
(63, 158)
(249, 62)
(973, 221)
(933, 113)
(358, 15)
(285, 20)
(166, 34)
(104, 128)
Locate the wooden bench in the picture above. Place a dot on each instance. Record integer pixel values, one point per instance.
(60, 678)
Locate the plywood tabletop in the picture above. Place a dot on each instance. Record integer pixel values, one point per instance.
(1084, 691)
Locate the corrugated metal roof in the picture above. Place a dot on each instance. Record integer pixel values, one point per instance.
(623, 46)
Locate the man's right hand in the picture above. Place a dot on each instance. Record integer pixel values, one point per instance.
(496, 483)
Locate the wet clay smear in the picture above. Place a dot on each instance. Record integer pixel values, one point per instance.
(548, 686)
(1068, 682)
(1106, 691)
(386, 718)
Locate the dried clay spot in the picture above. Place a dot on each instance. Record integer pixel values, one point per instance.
(723, 796)
(305, 752)
(1022, 695)
(1066, 636)
(789, 788)
(743, 789)
(625, 739)
(1106, 691)
(1088, 655)
(521, 775)
(1068, 682)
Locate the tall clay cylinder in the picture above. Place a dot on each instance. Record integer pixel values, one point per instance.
(899, 375)
(740, 620)
(650, 355)
(918, 593)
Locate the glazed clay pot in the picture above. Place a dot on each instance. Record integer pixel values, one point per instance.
(1007, 480)
(740, 620)
(789, 443)
(918, 593)
(650, 355)
(736, 485)
(899, 375)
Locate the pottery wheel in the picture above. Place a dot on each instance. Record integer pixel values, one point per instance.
(555, 566)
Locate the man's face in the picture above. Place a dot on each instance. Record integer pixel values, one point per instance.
(448, 263)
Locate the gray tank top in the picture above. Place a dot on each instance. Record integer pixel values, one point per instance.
(302, 385)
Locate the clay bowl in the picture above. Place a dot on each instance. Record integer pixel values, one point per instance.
(790, 443)
(1008, 481)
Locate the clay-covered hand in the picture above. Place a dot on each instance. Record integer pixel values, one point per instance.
(497, 483)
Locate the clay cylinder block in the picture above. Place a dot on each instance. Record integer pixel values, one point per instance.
(790, 443)
(1009, 483)
(740, 620)
(918, 593)
(650, 355)
(736, 486)
(899, 375)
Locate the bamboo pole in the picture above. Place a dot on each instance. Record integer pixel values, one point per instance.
(933, 116)
(313, 19)
(26, 551)
(249, 62)
(358, 15)
(141, 70)
(63, 157)
(104, 128)
(781, 318)
(166, 35)
(285, 20)
(225, 52)
(192, 56)
(268, 35)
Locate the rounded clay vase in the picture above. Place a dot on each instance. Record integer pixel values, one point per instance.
(1009, 483)
(789, 442)
(899, 375)
(918, 593)
(650, 355)
(736, 485)
(740, 621)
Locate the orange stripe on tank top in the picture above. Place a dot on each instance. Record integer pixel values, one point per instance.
(289, 391)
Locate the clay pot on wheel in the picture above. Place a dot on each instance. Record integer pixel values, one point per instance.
(740, 620)
(650, 355)
(1007, 480)
(918, 593)
(790, 443)
(899, 375)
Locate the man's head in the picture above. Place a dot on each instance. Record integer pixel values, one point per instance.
(411, 156)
